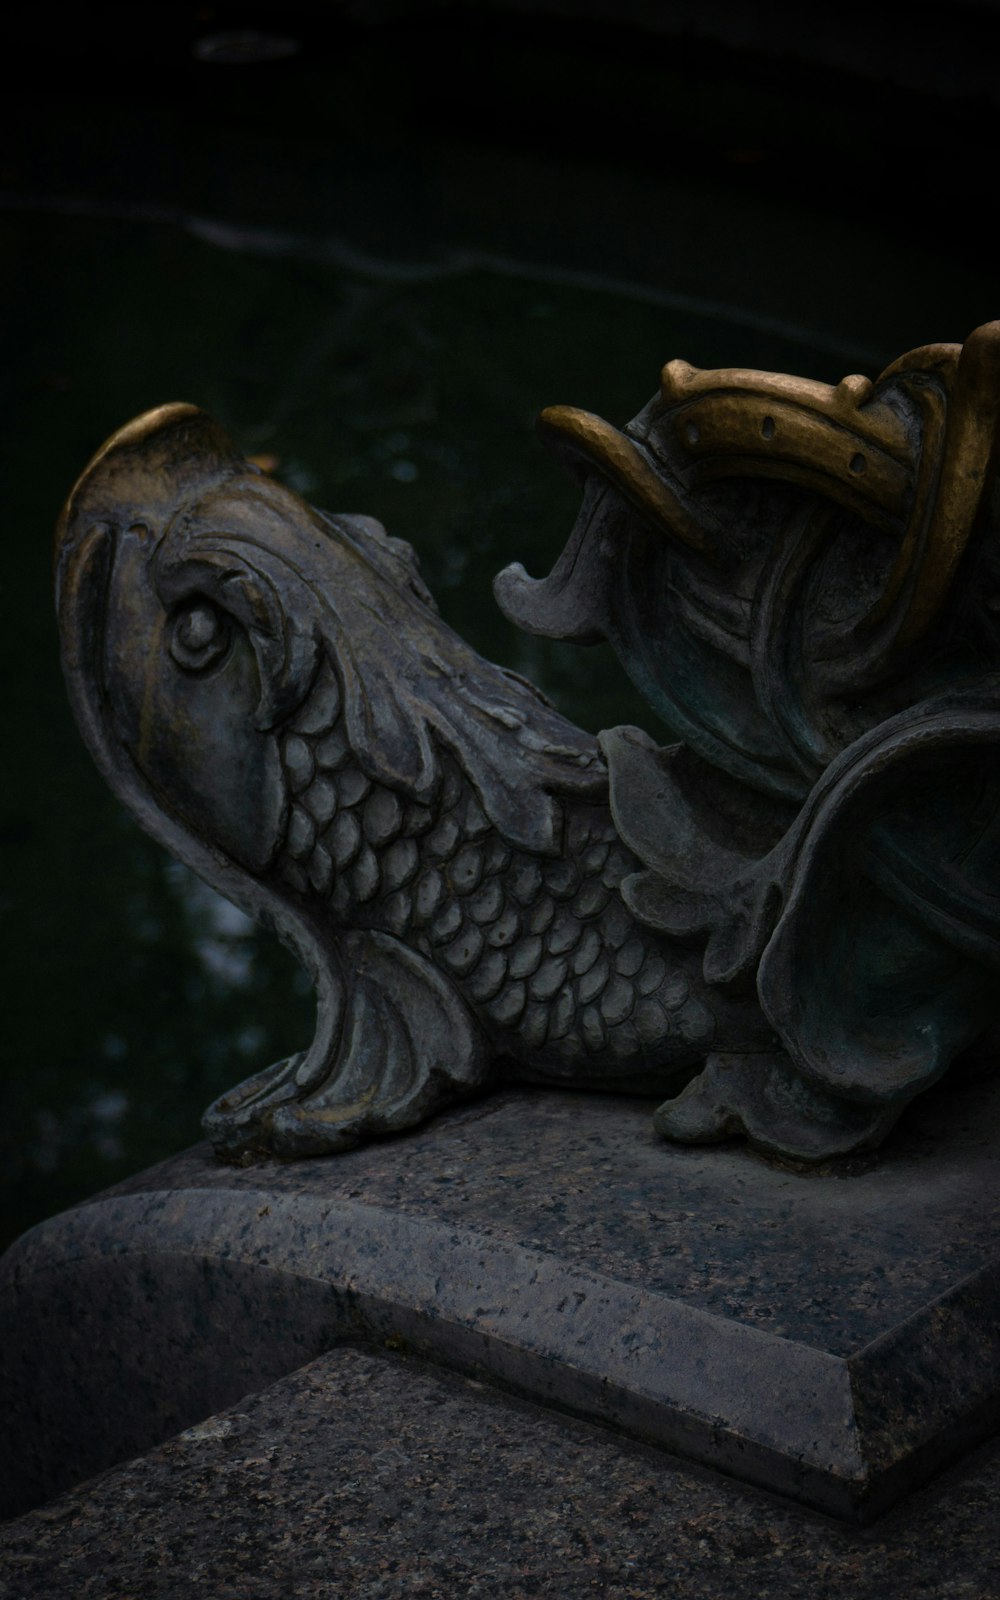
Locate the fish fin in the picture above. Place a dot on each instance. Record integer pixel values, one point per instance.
(406, 1045)
(763, 1098)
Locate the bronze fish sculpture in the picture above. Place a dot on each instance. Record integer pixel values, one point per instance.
(481, 890)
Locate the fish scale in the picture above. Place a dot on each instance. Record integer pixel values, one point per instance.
(543, 950)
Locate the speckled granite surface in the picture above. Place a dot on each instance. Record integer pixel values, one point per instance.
(834, 1258)
(369, 1475)
(834, 1336)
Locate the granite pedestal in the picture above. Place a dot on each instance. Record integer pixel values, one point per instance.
(831, 1336)
(372, 1475)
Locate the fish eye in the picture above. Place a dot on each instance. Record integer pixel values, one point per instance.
(200, 636)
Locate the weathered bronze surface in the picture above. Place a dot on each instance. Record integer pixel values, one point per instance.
(784, 920)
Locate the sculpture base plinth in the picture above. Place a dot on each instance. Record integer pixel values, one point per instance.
(833, 1336)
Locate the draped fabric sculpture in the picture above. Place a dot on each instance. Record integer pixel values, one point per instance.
(783, 920)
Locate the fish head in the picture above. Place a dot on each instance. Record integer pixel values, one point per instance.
(177, 645)
(203, 607)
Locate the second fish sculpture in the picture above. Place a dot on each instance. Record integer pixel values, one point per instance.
(784, 921)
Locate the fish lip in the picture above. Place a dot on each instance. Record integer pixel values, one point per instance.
(125, 441)
(84, 562)
(144, 470)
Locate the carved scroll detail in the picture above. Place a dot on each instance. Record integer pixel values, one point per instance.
(810, 603)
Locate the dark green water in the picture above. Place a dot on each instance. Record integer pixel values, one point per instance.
(133, 996)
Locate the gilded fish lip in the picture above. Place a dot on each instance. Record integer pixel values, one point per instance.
(146, 470)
